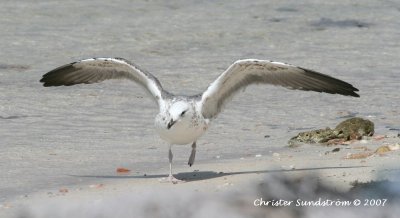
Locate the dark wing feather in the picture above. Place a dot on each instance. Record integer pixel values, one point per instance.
(245, 72)
(95, 70)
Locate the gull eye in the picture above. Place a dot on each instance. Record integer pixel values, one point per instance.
(183, 113)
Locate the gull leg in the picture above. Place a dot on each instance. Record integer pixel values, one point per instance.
(170, 177)
(170, 156)
(192, 154)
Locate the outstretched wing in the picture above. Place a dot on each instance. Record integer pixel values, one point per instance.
(95, 70)
(251, 71)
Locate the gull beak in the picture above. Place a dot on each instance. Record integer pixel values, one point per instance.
(171, 123)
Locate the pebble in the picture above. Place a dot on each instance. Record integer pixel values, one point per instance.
(333, 151)
(290, 167)
(226, 184)
(379, 137)
(63, 190)
(394, 147)
(386, 148)
(122, 170)
(96, 186)
(258, 155)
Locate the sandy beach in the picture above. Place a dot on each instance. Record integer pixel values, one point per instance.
(60, 147)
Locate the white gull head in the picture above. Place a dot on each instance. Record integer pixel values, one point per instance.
(180, 121)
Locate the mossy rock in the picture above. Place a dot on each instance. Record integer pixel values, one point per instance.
(353, 128)
(314, 136)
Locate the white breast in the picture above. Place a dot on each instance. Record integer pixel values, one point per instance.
(183, 132)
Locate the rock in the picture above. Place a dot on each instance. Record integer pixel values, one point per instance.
(97, 186)
(382, 149)
(63, 190)
(394, 147)
(354, 128)
(379, 137)
(386, 148)
(314, 136)
(333, 151)
(359, 155)
(350, 129)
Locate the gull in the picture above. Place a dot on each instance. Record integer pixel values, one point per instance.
(183, 119)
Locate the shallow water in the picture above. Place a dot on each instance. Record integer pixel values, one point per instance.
(49, 134)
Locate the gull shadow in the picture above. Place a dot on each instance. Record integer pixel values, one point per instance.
(204, 175)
